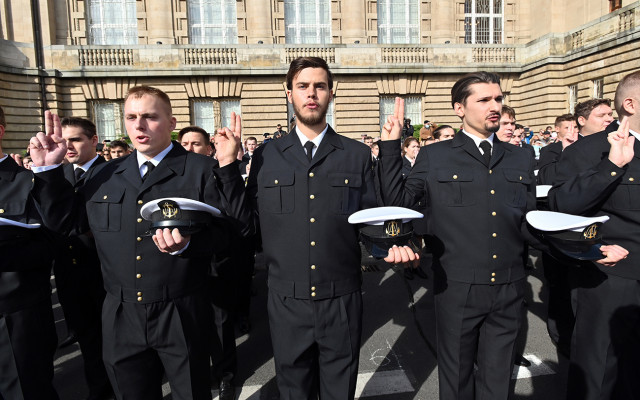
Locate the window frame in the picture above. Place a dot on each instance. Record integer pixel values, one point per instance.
(119, 129)
(388, 27)
(231, 23)
(125, 27)
(471, 22)
(299, 27)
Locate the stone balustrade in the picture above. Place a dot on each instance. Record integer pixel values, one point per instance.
(105, 57)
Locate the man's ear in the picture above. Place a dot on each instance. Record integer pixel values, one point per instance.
(458, 108)
(289, 96)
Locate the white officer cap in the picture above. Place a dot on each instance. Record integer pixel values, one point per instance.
(10, 222)
(384, 227)
(187, 215)
(573, 235)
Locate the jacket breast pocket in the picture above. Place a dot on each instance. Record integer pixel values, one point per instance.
(104, 209)
(455, 188)
(518, 182)
(626, 195)
(278, 192)
(346, 193)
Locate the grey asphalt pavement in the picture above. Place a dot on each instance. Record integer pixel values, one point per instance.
(397, 360)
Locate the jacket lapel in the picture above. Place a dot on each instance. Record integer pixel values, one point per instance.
(468, 145)
(329, 143)
(291, 147)
(172, 164)
(498, 152)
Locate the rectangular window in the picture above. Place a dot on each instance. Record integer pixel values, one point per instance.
(226, 108)
(331, 119)
(598, 88)
(307, 21)
(412, 109)
(398, 22)
(483, 22)
(614, 5)
(213, 22)
(213, 114)
(113, 22)
(109, 120)
(203, 115)
(573, 98)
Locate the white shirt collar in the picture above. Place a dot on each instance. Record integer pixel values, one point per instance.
(478, 140)
(85, 167)
(4, 158)
(316, 141)
(155, 160)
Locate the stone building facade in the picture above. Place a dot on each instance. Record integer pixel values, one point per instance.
(79, 57)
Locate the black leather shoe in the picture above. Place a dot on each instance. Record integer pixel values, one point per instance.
(227, 391)
(420, 273)
(521, 361)
(68, 341)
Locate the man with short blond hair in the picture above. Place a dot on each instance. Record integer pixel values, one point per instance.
(157, 315)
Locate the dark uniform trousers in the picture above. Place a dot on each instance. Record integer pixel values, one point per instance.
(27, 331)
(476, 226)
(604, 346)
(81, 292)
(313, 256)
(157, 312)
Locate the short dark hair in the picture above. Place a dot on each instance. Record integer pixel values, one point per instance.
(584, 109)
(88, 127)
(119, 143)
(138, 91)
(564, 118)
(184, 131)
(251, 138)
(3, 121)
(461, 89)
(509, 111)
(438, 132)
(518, 126)
(301, 63)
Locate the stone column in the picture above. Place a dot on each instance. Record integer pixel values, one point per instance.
(354, 20)
(259, 20)
(443, 22)
(160, 22)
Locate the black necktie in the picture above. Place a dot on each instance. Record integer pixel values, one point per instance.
(309, 146)
(150, 167)
(78, 172)
(486, 148)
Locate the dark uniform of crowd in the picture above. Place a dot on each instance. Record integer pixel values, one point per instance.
(143, 304)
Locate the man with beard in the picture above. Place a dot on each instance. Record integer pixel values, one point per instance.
(478, 191)
(305, 186)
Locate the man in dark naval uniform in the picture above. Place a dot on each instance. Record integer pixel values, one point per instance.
(599, 175)
(156, 316)
(77, 268)
(478, 191)
(27, 332)
(306, 185)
